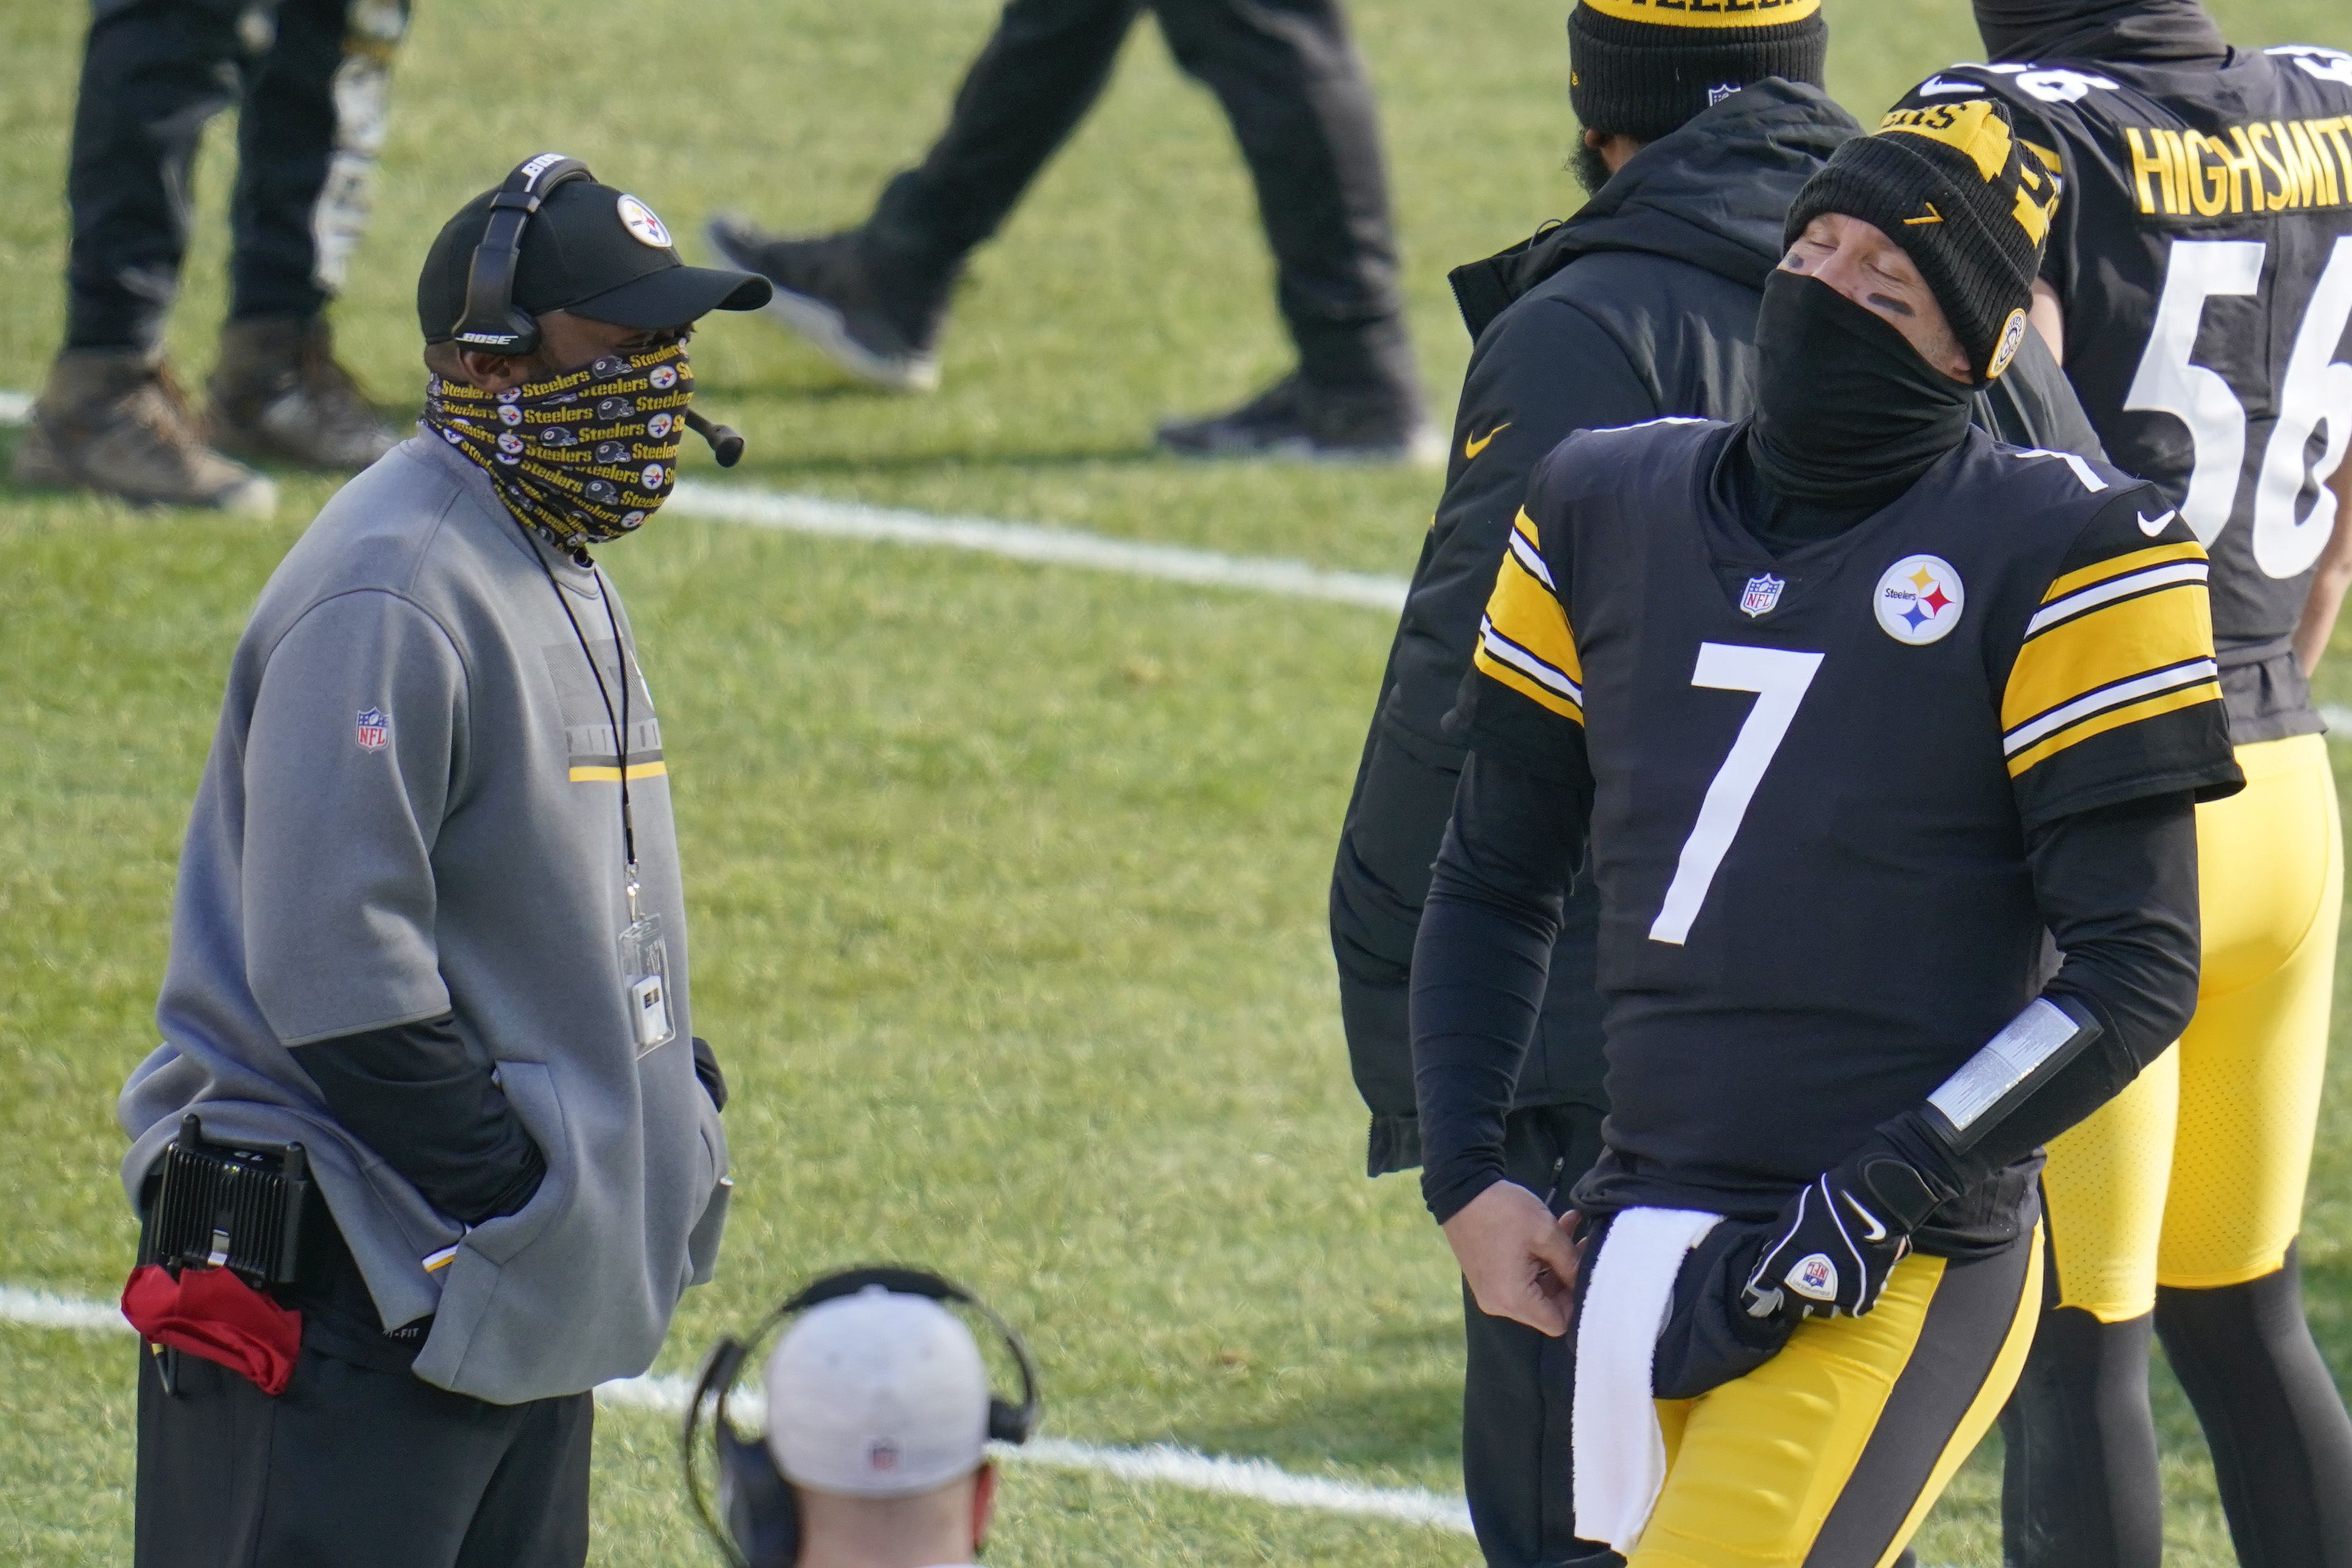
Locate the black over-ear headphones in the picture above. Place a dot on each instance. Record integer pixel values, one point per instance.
(757, 1523)
(491, 324)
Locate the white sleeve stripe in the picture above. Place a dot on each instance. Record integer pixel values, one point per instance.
(2114, 695)
(2114, 588)
(1506, 651)
(1528, 556)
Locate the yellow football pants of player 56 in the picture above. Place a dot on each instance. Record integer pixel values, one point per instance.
(1828, 1455)
(2193, 1177)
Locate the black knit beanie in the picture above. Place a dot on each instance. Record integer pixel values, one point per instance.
(1642, 67)
(1970, 202)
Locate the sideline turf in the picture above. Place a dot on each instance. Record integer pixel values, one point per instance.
(1006, 882)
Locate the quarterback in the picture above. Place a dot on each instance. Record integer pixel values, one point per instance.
(1848, 710)
(2197, 284)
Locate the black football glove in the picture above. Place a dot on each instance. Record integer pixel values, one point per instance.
(1840, 1237)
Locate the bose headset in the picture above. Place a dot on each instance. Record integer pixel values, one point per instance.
(757, 1523)
(492, 324)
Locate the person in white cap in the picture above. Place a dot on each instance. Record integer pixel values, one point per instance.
(877, 1415)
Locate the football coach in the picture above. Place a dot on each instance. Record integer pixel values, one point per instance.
(427, 1005)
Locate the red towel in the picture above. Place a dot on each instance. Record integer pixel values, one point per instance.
(212, 1314)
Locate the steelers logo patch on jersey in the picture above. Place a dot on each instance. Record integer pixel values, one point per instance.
(1919, 600)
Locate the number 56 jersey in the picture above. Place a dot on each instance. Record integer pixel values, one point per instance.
(2202, 251)
(1813, 775)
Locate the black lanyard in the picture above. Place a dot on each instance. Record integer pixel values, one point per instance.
(620, 721)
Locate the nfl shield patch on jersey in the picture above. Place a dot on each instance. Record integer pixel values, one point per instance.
(1762, 595)
(374, 730)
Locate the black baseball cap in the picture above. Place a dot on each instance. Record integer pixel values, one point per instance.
(590, 249)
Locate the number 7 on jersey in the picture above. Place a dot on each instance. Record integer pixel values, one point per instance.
(1779, 678)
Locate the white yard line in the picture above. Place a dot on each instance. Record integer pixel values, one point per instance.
(1160, 1464)
(1033, 543)
(1036, 543)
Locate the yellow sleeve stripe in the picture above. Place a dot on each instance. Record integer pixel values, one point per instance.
(2094, 650)
(2114, 566)
(590, 774)
(1530, 557)
(1504, 660)
(1525, 612)
(2108, 700)
(2207, 691)
(2130, 584)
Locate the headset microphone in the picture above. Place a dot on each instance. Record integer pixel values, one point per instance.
(725, 444)
(757, 1520)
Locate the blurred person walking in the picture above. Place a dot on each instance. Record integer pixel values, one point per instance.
(1695, 138)
(429, 959)
(1289, 78)
(311, 80)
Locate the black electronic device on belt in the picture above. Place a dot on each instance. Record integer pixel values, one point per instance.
(757, 1523)
(493, 324)
(245, 1207)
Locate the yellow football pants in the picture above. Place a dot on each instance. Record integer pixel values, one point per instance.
(1828, 1455)
(2193, 1177)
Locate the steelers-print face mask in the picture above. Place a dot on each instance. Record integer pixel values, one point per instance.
(584, 456)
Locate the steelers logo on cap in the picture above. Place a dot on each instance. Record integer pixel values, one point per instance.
(2012, 338)
(1919, 600)
(643, 226)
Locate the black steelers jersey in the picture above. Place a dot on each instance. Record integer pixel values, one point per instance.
(1812, 775)
(2202, 248)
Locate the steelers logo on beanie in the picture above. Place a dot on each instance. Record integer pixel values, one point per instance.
(1642, 67)
(1969, 200)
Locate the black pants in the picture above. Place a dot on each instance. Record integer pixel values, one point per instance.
(1301, 106)
(153, 72)
(1516, 1387)
(361, 1467)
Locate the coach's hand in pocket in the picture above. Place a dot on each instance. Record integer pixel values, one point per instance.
(1518, 1260)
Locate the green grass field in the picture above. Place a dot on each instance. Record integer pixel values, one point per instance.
(1007, 881)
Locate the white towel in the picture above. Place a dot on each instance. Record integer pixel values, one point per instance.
(1619, 1451)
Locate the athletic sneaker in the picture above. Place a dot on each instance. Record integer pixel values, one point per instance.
(1294, 418)
(114, 421)
(831, 290)
(279, 394)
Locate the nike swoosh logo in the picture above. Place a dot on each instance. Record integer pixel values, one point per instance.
(1472, 446)
(1936, 86)
(1878, 1231)
(2152, 526)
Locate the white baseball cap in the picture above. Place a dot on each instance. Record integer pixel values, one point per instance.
(876, 1394)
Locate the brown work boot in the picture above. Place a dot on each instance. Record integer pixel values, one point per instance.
(277, 394)
(114, 421)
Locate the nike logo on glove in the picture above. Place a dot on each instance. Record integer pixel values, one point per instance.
(1878, 1231)
(1473, 445)
(2152, 526)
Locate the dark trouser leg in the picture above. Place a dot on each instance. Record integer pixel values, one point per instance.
(359, 1467)
(1031, 85)
(2281, 1445)
(303, 167)
(2079, 1481)
(1516, 1387)
(153, 73)
(1302, 108)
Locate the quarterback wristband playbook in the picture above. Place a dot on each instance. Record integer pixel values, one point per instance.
(1841, 1235)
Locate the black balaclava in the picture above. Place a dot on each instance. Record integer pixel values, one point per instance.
(1848, 414)
(2120, 30)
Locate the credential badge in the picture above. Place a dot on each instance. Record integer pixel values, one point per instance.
(373, 730)
(1919, 600)
(1763, 595)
